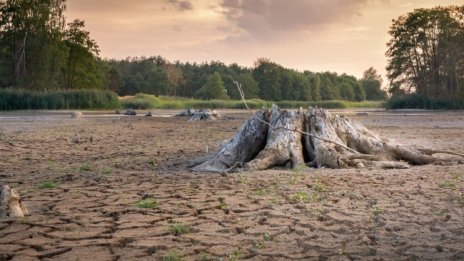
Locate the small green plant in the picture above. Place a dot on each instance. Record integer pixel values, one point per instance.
(172, 256)
(48, 185)
(204, 256)
(85, 167)
(456, 176)
(106, 170)
(154, 165)
(299, 197)
(448, 184)
(244, 180)
(235, 255)
(460, 199)
(262, 192)
(178, 229)
(376, 210)
(267, 236)
(223, 206)
(443, 212)
(292, 180)
(193, 186)
(319, 187)
(300, 168)
(147, 203)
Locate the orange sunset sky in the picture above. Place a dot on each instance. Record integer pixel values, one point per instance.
(318, 35)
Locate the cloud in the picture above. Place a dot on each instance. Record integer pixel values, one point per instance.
(181, 5)
(267, 18)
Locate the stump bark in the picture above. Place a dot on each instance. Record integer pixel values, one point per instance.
(315, 138)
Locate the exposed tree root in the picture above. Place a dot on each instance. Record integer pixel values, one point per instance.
(249, 141)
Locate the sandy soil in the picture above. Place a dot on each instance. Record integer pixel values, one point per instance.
(94, 211)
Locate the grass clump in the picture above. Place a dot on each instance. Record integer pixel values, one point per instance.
(106, 170)
(236, 255)
(178, 229)
(300, 197)
(377, 210)
(48, 185)
(147, 203)
(85, 167)
(172, 256)
(448, 184)
(267, 236)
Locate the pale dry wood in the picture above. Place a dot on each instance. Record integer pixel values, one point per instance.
(283, 144)
(326, 140)
(10, 203)
(246, 144)
(204, 115)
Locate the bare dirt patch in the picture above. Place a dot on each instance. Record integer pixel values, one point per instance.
(124, 192)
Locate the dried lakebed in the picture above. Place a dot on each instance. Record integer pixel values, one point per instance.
(123, 192)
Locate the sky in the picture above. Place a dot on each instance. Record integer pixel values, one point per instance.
(343, 36)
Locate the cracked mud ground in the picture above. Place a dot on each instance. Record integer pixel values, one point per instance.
(124, 193)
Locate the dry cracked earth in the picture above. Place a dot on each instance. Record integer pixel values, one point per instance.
(118, 188)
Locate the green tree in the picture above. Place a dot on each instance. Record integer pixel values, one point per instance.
(315, 85)
(31, 39)
(302, 83)
(82, 69)
(268, 76)
(372, 85)
(114, 80)
(426, 52)
(359, 94)
(213, 88)
(329, 90)
(249, 86)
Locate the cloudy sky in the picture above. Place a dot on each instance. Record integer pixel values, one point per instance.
(318, 35)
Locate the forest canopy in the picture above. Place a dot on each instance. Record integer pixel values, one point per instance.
(426, 53)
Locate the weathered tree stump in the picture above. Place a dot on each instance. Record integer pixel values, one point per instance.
(204, 115)
(130, 112)
(313, 138)
(10, 203)
(250, 140)
(188, 112)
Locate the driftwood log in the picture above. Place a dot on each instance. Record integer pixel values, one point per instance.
(314, 138)
(10, 203)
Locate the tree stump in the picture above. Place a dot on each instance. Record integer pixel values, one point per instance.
(188, 112)
(204, 115)
(10, 203)
(313, 138)
(130, 112)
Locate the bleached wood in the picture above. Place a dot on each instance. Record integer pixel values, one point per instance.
(242, 148)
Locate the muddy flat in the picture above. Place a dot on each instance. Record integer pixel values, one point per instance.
(118, 188)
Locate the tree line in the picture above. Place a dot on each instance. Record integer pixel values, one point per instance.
(40, 50)
(215, 80)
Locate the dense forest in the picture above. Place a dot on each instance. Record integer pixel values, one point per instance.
(40, 51)
(215, 80)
